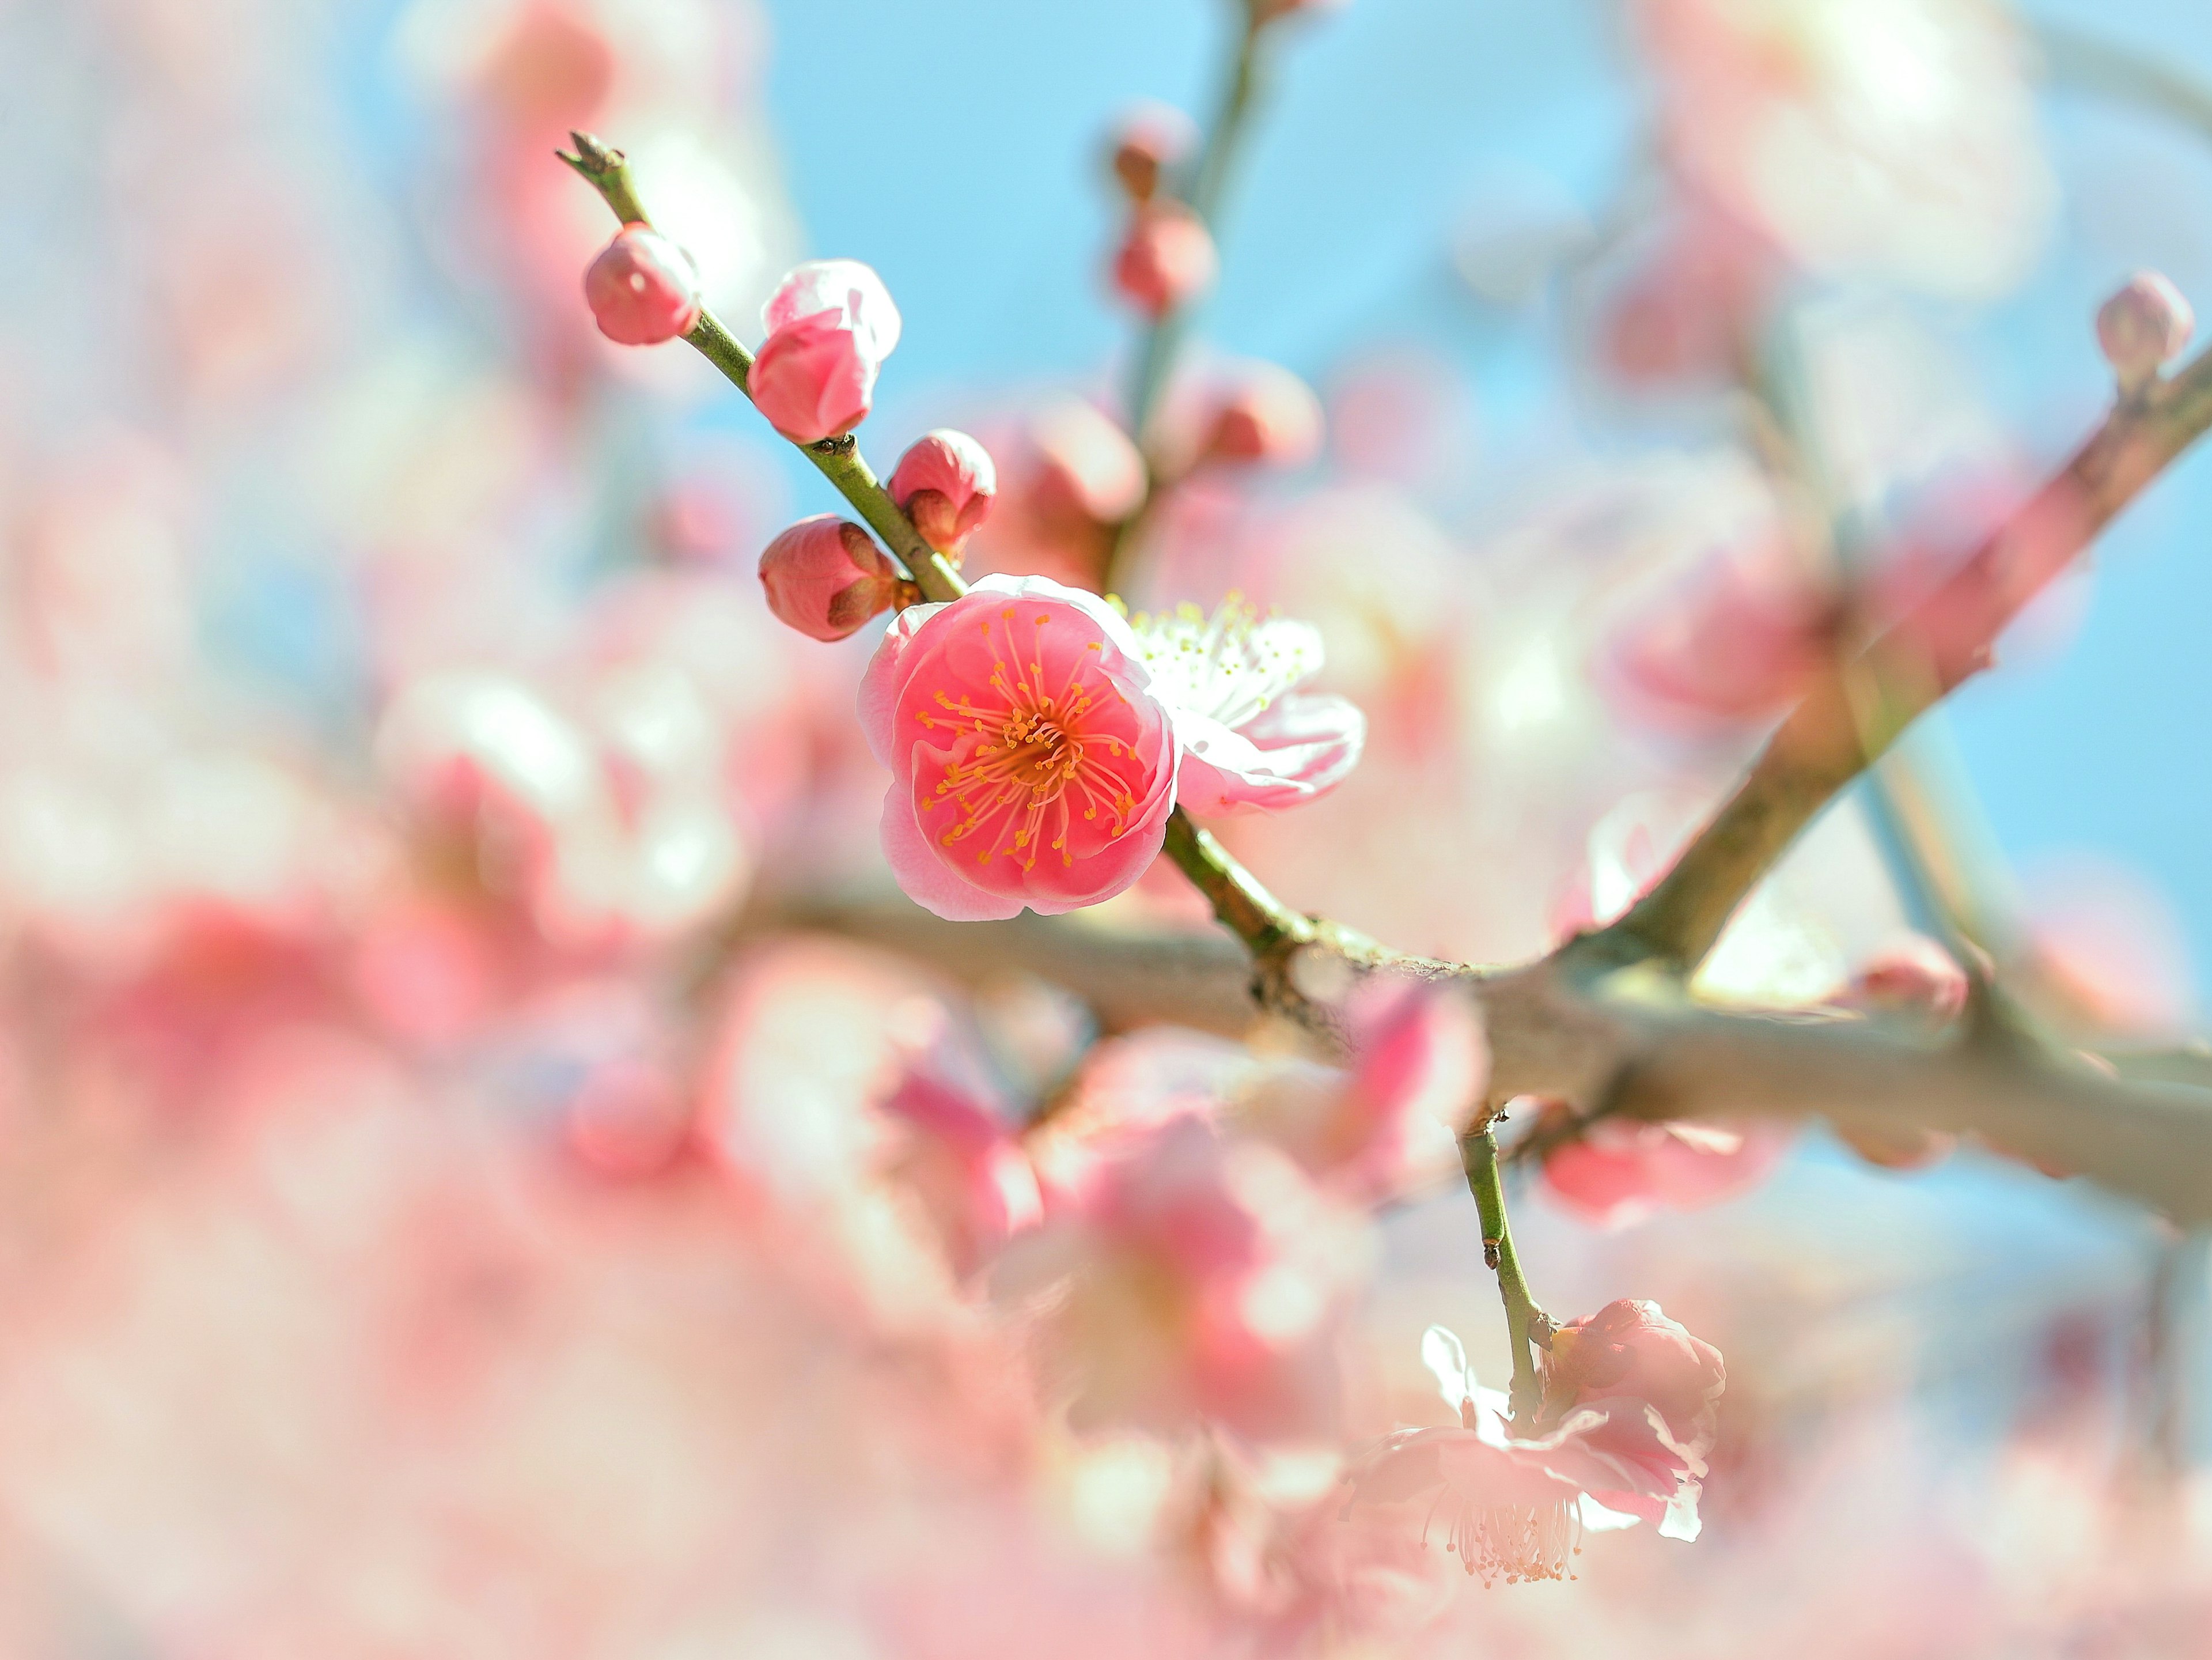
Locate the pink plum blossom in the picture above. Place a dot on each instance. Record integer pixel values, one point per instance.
(966, 1162)
(1194, 1279)
(1630, 1348)
(1251, 739)
(830, 323)
(826, 577)
(1032, 762)
(642, 288)
(1166, 260)
(1516, 1500)
(1737, 639)
(1617, 1172)
(946, 482)
(1372, 1133)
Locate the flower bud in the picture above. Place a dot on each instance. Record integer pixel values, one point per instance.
(642, 288)
(831, 324)
(1166, 260)
(1087, 468)
(946, 482)
(2142, 328)
(1268, 416)
(826, 577)
(1152, 138)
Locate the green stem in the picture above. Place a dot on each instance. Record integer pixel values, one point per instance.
(1525, 1324)
(839, 459)
(1242, 905)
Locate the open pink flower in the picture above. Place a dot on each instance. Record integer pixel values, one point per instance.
(831, 324)
(1195, 1279)
(1630, 1349)
(1618, 1172)
(1420, 1064)
(1250, 738)
(1032, 763)
(1517, 1505)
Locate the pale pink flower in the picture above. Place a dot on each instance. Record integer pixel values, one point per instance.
(1419, 1065)
(831, 324)
(1193, 1280)
(1516, 1503)
(1032, 763)
(1630, 1348)
(1739, 638)
(2143, 327)
(966, 1164)
(1250, 738)
(1149, 140)
(1166, 260)
(1617, 1172)
(1265, 415)
(826, 577)
(946, 482)
(1891, 136)
(642, 288)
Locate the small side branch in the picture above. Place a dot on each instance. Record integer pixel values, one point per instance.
(1525, 1324)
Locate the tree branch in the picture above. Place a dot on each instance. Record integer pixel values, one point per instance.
(1827, 740)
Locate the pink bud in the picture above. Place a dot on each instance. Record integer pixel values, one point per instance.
(1166, 260)
(2143, 327)
(946, 482)
(826, 577)
(1266, 11)
(1087, 468)
(1152, 138)
(1269, 416)
(642, 288)
(830, 323)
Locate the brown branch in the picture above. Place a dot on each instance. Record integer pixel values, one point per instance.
(1827, 740)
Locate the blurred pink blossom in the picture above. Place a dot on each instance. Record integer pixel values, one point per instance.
(1517, 1499)
(1193, 1280)
(1166, 258)
(1616, 1172)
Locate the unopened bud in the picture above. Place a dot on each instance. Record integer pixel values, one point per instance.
(1166, 260)
(1086, 465)
(642, 288)
(947, 483)
(825, 577)
(1267, 416)
(1266, 11)
(2142, 328)
(1151, 138)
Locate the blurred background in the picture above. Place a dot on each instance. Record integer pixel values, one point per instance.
(448, 1201)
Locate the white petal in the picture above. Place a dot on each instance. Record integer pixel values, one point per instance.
(1445, 1357)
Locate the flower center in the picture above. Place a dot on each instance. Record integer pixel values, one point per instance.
(1025, 771)
(1516, 1542)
